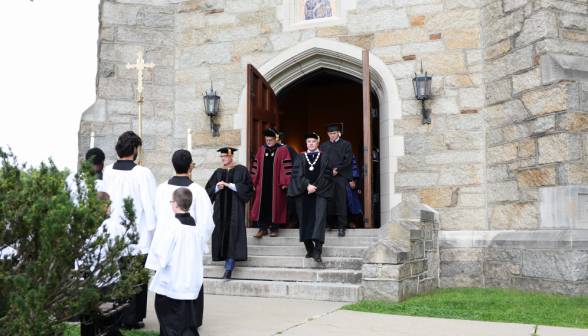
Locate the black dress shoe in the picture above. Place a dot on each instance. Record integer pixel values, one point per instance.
(316, 255)
(341, 233)
(139, 325)
(308, 255)
(227, 275)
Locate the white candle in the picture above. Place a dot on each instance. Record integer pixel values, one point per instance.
(92, 140)
(189, 140)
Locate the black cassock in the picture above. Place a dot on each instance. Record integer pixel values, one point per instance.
(229, 238)
(291, 204)
(341, 157)
(312, 209)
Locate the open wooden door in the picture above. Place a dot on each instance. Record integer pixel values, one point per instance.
(367, 141)
(262, 113)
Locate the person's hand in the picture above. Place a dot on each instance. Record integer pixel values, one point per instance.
(352, 184)
(334, 171)
(228, 185)
(359, 192)
(311, 189)
(220, 185)
(284, 186)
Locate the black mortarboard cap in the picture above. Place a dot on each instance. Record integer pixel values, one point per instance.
(227, 150)
(335, 128)
(271, 132)
(312, 136)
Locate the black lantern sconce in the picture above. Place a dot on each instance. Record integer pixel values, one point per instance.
(422, 91)
(211, 105)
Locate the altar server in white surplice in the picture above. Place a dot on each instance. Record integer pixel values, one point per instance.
(125, 179)
(200, 209)
(176, 256)
(97, 156)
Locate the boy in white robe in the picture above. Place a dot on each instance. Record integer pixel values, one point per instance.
(98, 158)
(176, 256)
(125, 179)
(200, 210)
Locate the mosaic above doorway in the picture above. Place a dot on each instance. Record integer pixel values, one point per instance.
(317, 9)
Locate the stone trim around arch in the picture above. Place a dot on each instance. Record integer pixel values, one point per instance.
(317, 53)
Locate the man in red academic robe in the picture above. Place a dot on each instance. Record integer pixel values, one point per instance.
(271, 176)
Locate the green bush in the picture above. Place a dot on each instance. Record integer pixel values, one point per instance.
(39, 290)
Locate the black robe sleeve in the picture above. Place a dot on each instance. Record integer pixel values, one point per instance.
(211, 185)
(324, 185)
(345, 167)
(298, 183)
(243, 183)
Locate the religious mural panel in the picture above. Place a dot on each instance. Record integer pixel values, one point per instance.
(317, 9)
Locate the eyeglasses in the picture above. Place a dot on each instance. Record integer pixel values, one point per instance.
(172, 202)
(224, 156)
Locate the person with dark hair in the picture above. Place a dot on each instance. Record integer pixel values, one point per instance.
(341, 155)
(200, 208)
(98, 157)
(291, 205)
(229, 188)
(176, 255)
(270, 173)
(125, 179)
(311, 186)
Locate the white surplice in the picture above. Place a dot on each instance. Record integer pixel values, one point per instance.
(139, 184)
(70, 181)
(176, 255)
(201, 209)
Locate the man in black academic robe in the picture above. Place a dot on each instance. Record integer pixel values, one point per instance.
(229, 188)
(311, 186)
(341, 155)
(290, 202)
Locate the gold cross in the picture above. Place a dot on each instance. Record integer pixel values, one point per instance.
(140, 66)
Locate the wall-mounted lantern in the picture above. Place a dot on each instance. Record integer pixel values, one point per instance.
(211, 106)
(422, 92)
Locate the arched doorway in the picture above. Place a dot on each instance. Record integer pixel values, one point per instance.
(343, 60)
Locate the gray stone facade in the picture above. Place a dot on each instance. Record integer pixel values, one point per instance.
(505, 156)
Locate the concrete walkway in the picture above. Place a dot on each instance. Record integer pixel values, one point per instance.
(249, 316)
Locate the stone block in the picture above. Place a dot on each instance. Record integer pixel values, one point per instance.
(160, 56)
(423, 143)
(370, 271)
(416, 179)
(575, 122)
(511, 256)
(499, 91)
(456, 81)
(418, 267)
(375, 4)
(401, 36)
(516, 132)
(502, 153)
(330, 31)
(115, 89)
(197, 37)
(559, 147)
(573, 21)
(503, 28)
(461, 282)
(153, 127)
(117, 52)
(512, 4)
(388, 54)
(474, 56)
(417, 250)
(527, 80)
(491, 12)
(389, 290)
(119, 14)
(514, 216)
(439, 197)
(513, 62)
(251, 45)
(386, 19)
(542, 125)
(452, 157)
(472, 200)
(503, 191)
(420, 48)
(145, 35)
(449, 62)
(386, 252)
(159, 21)
(276, 27)
(460, 269)
(522, 164)
(460, 175)
(553, 99)
(425, 9)
(494, 136)
(239, 6)
(538, 26)
(205, 54)
(228, 137)
(401, 231)
(461, 255)
(220, 19)
(462, 39)
(414, 212)
(556, 265)
(362, 41)
(539, 177)
(565, 47)
(574, 174)
(411, 163)
(162, 93)
(497, 49)
(257, 17)
(496, 173)
(500, 270)
(471, 98)
(462, 219)
(527, 148)
(575, 36)
(464, 122)
(453, 20)
(505, 113)
(239, 33)
(397, 272)
(285, 40)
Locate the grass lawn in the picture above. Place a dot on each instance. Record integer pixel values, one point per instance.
(488, 304)
(75, 331)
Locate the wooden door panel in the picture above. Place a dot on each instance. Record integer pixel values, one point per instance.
(367, 142)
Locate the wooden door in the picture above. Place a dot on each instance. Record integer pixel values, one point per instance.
(262, 113)
(367, 141)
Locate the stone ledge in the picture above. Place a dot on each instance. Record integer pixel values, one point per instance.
(537, 239)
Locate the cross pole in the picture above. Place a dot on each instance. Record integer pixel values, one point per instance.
(140, 65)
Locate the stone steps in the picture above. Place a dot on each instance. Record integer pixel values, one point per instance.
(292, 262)
(287, 274)
(333, 233)
(285, 290)
(328, 251)
(294, 241)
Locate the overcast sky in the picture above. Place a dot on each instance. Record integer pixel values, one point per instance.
(48, 73)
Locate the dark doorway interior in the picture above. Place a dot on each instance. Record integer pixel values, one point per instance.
(321, 98)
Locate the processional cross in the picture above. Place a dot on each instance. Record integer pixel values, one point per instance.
(140, 66)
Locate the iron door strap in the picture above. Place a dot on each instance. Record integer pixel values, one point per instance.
(252, 81)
